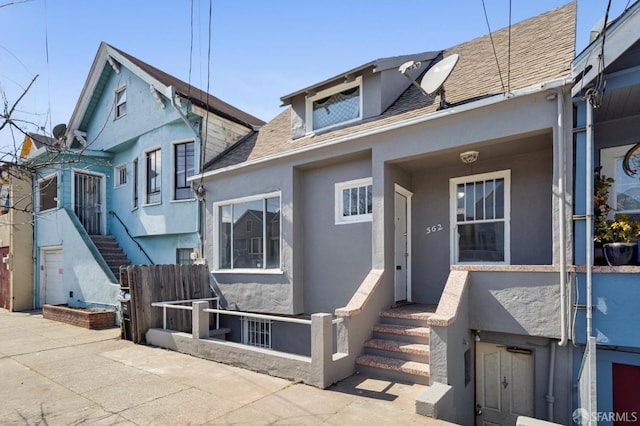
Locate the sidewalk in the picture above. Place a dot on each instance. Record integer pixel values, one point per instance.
(57, 374)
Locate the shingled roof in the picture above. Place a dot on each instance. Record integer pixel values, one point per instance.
(541, 50)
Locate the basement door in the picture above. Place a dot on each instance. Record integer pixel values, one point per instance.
(402, 216)
(5, 289)
(52, 289)
(504, 384)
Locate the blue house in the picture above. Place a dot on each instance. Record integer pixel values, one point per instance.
(605, 300)
(112, 189)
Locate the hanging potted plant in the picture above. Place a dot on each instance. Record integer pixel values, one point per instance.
(618, 236)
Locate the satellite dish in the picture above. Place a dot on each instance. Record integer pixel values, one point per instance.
(59, 131)
(434, 78)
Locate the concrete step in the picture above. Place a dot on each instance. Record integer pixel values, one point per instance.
(413, 314)
(408, 371)
(404, 333)
(401, 350)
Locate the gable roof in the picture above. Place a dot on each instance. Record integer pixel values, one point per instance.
(164, 83)
(542, 49)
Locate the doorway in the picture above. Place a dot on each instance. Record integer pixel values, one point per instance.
(402, 233)
(504, 384)
(52, 288)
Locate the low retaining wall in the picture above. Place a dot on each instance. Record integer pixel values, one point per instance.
(87, 318)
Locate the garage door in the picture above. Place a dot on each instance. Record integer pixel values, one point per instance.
(53, 290)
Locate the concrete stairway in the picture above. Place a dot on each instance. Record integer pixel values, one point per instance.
(399, 348)
(111, 252)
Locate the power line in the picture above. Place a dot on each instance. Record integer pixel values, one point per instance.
(486, 17)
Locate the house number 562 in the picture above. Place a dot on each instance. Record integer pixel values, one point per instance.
(434, 228)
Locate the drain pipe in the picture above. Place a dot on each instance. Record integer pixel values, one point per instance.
(589, 213)
(552, 368)
(198, 139)
(562, 221)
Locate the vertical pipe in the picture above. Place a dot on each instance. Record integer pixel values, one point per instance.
(589, 212)
(561, 219)
(552, 368)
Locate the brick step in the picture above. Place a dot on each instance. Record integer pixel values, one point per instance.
(410, 371)
(396, 346)
(407, 333)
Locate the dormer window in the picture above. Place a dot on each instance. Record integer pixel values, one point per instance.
(334, 106)
(121, 102)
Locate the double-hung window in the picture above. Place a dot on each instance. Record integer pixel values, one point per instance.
(121, 102)
(480, 210)
(134, 184)
(120, 174)
(184, 167)
(354, 201)
(244, 246)
(621, 163)
(154, 177)
(48, 193)
(335, 106)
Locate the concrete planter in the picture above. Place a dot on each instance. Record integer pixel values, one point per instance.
(86, 318)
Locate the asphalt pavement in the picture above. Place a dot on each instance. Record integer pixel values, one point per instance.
(53, 373)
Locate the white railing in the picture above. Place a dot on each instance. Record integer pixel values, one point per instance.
(175, 304)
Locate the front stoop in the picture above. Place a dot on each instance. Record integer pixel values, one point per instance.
(399, 348)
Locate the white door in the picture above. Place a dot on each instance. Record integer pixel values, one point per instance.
(402, 245)
(52, 289)
(504, 384)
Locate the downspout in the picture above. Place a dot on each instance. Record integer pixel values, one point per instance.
(562, 220)
(589, 212)
(198, 139)
(36, 270)
(552, 369)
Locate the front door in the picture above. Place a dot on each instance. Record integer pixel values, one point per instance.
(88, 202)
(402, 245)
(504, 384)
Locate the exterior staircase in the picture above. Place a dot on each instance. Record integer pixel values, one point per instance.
(399, 348)
(111, 252)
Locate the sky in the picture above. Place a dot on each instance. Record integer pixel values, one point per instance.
(248, 53)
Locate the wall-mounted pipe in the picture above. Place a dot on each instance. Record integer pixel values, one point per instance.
(589, 212)
(552, 371)
(562, 167)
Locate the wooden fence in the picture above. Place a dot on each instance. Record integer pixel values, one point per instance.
(161, 283)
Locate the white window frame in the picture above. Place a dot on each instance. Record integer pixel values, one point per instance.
(216, 236)
(339, 204)
(260, 338)
(608, 159)
(103, 190)
(453, 183)
(118, 175)
(56, 198)
(120, 101)
(173, 169)
(146, 177)
(328, 92)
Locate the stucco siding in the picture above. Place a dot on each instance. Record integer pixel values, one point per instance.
(336, 257)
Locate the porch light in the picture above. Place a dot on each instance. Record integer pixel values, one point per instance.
(469, 157)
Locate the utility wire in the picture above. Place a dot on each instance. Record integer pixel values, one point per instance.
(509, 53)
(486, 17)
(595, 95)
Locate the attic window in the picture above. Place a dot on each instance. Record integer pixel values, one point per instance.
(334, 106)
(121, 102)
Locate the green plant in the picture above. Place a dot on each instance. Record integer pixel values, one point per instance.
(621, 228)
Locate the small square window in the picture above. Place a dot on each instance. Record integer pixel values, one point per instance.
(354, 201)
(183, 256)
(120, 173)
(121, 102)
(48, 193)
(256, 332)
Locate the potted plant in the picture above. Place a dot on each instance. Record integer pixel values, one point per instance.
(618, 236)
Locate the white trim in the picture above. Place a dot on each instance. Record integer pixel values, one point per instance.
(57, 197)
(453, 243)
(326, 93)
(408, 195)
(608, 160)
(116, 175)
(216, 235)
(338, 204)
(485, 102)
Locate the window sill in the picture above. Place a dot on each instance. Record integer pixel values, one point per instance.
(184, 200)
(247, 271)
(152, 204)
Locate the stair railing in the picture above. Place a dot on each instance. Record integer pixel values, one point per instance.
(114, 214)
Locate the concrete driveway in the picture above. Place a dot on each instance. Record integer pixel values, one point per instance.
(57, 374)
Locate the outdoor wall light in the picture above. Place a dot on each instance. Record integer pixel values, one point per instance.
(469, 157)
